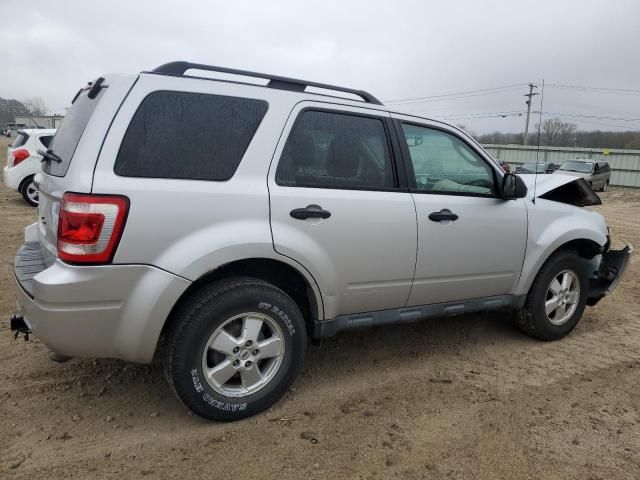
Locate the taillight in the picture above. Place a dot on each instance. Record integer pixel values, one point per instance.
(90, 227)
(20, 155)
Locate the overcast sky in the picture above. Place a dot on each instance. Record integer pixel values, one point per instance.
(395, 49)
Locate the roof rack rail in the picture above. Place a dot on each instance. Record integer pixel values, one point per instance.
(275, 81)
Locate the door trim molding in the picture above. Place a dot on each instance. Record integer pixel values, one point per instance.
(328, 328)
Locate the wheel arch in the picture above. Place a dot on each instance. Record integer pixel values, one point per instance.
(300, 287)
(586, 247)
(24, 180)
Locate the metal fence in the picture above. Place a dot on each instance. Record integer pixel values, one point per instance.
(625, 164)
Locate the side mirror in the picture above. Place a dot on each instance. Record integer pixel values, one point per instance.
(513, 187)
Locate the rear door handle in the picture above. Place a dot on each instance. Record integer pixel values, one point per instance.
(310, 211)
(442, 215)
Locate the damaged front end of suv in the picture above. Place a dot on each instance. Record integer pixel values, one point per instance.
(608, 268)
(556, 212)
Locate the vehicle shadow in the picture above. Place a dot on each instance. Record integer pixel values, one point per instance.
(108, 388)
(347, 355)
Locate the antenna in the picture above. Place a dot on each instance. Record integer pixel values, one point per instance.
(535, 181)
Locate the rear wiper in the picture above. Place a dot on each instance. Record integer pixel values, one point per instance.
(49, 155)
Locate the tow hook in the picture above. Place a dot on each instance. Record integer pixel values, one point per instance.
(19, 326)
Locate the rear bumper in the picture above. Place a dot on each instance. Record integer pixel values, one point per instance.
(612, 268)
(115, 311)
(12, 178)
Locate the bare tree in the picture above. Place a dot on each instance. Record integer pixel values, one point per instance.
(629, 139)
(36, 106)
(567, 134)
(555, 132)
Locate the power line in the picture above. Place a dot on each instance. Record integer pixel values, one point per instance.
(455, 98)
(595, 117)
(479, 115)
(515, 113)
(616, 91)
(505, 88)
(589, 107)
(469, 93)
(606, 124)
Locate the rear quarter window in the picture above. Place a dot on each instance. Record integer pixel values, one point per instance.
(20, 140)
(182, 135)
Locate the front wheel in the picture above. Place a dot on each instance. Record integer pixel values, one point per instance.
(557, 298)
(235, 348)
(29, 192)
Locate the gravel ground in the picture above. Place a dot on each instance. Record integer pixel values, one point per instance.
(462, 398)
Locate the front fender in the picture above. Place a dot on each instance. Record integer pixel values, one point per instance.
(552, 225)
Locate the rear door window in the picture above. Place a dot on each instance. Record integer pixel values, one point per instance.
(68, 135)
(336, 150)
(182, 135)
(46, 140)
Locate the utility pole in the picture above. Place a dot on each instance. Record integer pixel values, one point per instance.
(526, 124)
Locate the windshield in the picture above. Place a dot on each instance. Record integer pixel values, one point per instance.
(577, 166)
(66, 139)
(531, 167)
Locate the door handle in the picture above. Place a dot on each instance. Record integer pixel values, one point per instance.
(310, 211)
(442, 215)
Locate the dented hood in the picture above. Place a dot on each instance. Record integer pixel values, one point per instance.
(561, 188)
(545, 182)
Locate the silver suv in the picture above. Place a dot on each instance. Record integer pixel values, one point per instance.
(221, 224)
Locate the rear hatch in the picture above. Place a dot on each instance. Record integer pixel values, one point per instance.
(77, 145)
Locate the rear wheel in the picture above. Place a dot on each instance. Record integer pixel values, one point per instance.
(29, 191)
(557, 298)
(605, 187)
(235, 348)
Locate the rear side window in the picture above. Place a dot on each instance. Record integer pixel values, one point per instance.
(46, 140)
(68, 135)
(336, 150)
(183, 135)
(20, 140)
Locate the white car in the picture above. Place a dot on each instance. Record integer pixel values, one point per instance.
(24, 161)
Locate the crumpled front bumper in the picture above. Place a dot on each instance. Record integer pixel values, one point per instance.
(609, 273)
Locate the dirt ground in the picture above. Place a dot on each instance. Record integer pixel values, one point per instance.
(462, 398)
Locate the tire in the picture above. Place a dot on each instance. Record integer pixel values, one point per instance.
(228, 310)
(533, 319)
(29, 192)
(605, 187)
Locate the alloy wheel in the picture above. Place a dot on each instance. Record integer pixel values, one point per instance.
(243, 354)
(562, 297)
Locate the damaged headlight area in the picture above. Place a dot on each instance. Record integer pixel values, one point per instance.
(577, 192)
(607, 270)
